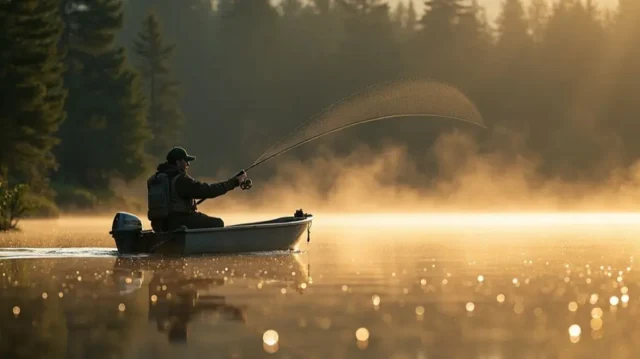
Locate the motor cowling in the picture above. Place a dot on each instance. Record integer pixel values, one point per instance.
(126, 230)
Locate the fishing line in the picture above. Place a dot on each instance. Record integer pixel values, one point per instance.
(394, 99)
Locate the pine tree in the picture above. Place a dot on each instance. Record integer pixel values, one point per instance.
(164, 117)
(105, 134)
(441, 17)
(538, 14)
(412, 17)
(31, 88)
(513, 32)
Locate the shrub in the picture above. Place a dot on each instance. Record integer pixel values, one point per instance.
(13, 205)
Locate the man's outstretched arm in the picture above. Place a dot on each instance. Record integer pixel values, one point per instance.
(188, 187)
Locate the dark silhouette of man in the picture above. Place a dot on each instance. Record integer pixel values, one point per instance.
(184, 190)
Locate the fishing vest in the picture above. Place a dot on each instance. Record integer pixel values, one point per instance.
(163, 199)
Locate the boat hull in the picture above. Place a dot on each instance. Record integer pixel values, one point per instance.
(283, 233)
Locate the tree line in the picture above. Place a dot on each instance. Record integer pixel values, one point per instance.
(96, 91)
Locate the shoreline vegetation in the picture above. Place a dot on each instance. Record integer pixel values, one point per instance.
(96, 92)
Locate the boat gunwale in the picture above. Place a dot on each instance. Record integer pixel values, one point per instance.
(248, 226)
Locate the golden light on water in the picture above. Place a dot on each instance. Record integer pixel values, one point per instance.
(122, 307)
(470, 307)
(624, 290)
(596, 323)
(16, 310)
(500, 298)
(45, 295)
(575, 330)
(481, 278)
(419, 310)
(596, 313)
(375, 299)
(491, 220)
(614, 300)
(594, 298)
(270, 337)
(573, 306)
(574, 333)
(624, 299)
(362, 334)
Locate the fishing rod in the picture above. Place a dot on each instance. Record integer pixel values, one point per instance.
(247, 183)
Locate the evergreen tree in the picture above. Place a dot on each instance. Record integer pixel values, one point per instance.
(538, 14)
(164, 117)
(412, 17)
(105, 134)
(513, 30)
(31, 88)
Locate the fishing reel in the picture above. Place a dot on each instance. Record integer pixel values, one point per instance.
(246, 184)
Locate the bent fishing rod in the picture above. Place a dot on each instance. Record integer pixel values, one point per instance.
(247, 183)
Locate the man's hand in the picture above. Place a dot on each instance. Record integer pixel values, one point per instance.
(241, 176)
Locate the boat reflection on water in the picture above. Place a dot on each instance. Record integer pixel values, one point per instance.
(106, 307)
(180, 290)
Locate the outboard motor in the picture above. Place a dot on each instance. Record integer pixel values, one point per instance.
(126, 230)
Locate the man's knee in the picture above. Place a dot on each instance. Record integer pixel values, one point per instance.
(216, 222)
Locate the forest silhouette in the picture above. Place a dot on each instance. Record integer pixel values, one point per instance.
(96, 91)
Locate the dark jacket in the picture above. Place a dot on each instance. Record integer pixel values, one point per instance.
(190, 189)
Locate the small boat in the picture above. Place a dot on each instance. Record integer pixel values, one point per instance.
(284, 233)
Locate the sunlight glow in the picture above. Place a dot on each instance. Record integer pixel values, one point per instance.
(494, 220)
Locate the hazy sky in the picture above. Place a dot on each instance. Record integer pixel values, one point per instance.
(493, 6)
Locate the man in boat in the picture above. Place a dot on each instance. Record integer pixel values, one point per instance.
(172, 194)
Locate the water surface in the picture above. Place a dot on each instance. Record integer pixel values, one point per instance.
(368, 290)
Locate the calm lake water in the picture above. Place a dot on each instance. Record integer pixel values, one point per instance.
(368, 288)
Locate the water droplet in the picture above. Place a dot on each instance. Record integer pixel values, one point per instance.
(594, 298)
(154, 298)
(375, 299)
(79, 279)
(573, 306)
(405, 290)
(514, 280)
(260, 285)
(122, 307)
(303, 285)
(423, 281)
(45, 295)
(128, 280)
(624, 298)
(345, 288)
(444, 281)
(470, 307)
(270, 337)
(500, 298)
(596, 313)
(283, 290)
(481, 278)
(60, 295)
(596, 323)
(419, 310)
(362, 334)
(16, 310)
